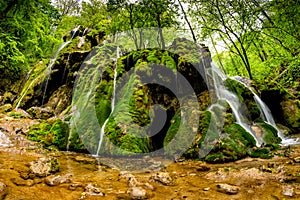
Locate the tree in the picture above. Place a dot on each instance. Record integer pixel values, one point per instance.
(67, 7)
(25, 37)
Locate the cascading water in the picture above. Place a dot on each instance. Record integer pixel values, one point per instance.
(112, 103)
(51, 64)
(267, 116)
(64, 73)
(222, 93)
(48, 70)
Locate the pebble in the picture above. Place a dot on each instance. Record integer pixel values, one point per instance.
(297, 159)
(164, 178)
(288, 191)
(3, 190)
(228, 189)
(138, 193)
(57, 180)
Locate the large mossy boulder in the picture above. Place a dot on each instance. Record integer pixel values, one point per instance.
(125, 131)
(128, 128)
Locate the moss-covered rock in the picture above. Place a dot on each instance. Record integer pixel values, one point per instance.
(5, 108)
(291, 114)
(53, 133)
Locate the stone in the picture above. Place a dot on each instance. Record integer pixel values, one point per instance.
(138, 193)
(288, 191)
(57, 180)
(75, 185)
(5, 108)
(4, 140)
(203, 168)
(164, 178)
(3, 190)
(44, 167)
(297, 159)
(40, 113)
(21, 182)
(227, 189)
(85, 160)
(93, 191)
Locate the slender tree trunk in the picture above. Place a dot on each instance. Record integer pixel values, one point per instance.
(163, 45)
(132, 27)
(228, 31)
(187, 21)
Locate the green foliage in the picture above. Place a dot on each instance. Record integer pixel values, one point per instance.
(25, 37)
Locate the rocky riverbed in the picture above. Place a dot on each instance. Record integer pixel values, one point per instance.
(29, 172)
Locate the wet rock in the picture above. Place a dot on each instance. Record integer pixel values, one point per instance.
(5, 108)
(93, 191)
(40, 113)
(60, 99)
(57, 180)
(164, 178)
(297, 159)
(44, 167)
(19, 114)
(21, 182)
(138, 193)
(75, 185)
(4, 140)
(3, 190)
(203, 168)
(288, 191)
(85, 160)
(228, 189)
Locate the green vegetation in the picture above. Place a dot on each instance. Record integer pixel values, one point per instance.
(54, 134)
(260, 41)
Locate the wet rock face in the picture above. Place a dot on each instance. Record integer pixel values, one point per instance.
(44, 167)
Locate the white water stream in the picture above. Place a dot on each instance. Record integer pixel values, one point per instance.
(102, 131)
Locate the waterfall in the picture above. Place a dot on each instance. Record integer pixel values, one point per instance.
(48, 70)
(112, 103)
(222, 93)
(51, 64)
(266, 115)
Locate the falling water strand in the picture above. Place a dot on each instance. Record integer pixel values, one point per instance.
(51, 64)
(222, 93)
(63, 76)
(84, 31)
(102, 131)
(267, 116)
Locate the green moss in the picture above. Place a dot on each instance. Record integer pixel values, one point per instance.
(291, 114)
(16, 115)
(52, 134)
(264, 153)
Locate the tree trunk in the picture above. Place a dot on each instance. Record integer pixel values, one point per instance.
(187, 21)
